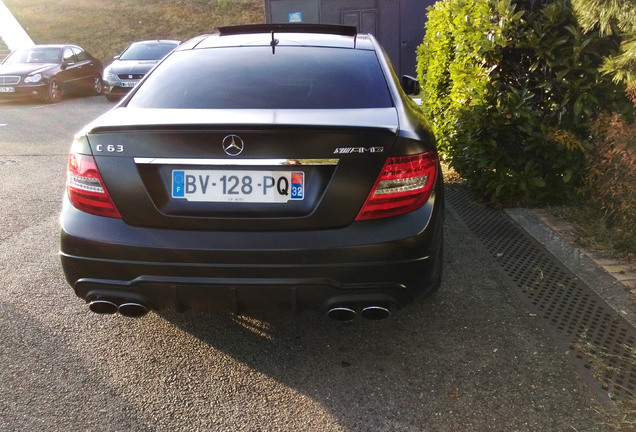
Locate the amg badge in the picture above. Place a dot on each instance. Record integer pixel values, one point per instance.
(347, 150)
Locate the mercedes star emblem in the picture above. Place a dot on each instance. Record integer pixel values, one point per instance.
(233, 145)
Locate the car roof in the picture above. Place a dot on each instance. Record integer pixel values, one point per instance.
(53, 46)
(157, 41)
(316, 35)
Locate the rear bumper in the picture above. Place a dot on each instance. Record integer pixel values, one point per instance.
(386, 261)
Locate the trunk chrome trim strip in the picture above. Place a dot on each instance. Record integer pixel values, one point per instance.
(234, 162)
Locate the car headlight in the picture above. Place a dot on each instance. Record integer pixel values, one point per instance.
(33, 78)
(109, 76)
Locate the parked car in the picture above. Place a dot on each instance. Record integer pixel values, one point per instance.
(265, 166)
(48, 72)
(132, 64)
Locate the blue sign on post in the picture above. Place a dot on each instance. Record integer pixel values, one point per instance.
(295, 17)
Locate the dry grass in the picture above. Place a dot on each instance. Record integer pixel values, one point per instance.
(594, 232)
(450, 175)
(606, 364)
(106, 27)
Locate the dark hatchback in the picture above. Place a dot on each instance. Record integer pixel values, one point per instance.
(268, 166)
(48, 72)
(132, 64)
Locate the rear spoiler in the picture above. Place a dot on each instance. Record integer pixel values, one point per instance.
(289, 28)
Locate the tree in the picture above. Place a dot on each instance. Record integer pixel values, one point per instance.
(616, 18)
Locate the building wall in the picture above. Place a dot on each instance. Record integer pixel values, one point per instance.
(397, 24)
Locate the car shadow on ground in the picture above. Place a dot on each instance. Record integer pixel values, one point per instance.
(469, 358)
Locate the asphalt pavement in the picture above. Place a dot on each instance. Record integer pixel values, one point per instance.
(473, 358)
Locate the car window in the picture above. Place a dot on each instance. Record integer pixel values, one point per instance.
(68, 55)
(149, 51)
(52, 55)
(292, 77)
(80, 54)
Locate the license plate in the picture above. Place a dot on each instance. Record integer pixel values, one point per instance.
(238, 186)
(7, 90)
(128, 83)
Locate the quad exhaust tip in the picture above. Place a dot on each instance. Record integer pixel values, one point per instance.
(104, 307)
(375, 312)
(345, 313)
(108, 307)
(342, 313)
(132, 310)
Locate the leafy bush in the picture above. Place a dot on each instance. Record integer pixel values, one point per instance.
(608, 183)
(450, 45)
(510, 87)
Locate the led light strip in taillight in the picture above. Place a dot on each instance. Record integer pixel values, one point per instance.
(404, 184)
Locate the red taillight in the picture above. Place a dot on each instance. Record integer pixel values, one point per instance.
(85, 187)
(404, 185)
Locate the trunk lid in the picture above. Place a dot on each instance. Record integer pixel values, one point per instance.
(241, 169)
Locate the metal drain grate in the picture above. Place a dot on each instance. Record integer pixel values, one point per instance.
(572, 313)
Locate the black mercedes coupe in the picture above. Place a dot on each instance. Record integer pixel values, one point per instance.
(267, 166)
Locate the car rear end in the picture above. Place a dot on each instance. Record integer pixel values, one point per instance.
(257, 170)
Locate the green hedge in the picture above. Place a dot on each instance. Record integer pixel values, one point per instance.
(509, 88)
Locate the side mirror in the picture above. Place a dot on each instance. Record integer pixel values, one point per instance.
(410, 85)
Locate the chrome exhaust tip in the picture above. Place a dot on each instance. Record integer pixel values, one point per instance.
(132, 310)
(375, 312)
(341, 313)
(101, 306)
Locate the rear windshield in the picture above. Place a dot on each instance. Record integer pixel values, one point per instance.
(256, 78)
